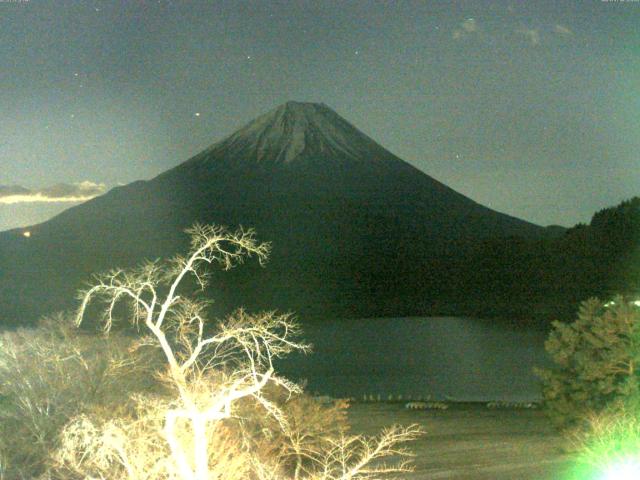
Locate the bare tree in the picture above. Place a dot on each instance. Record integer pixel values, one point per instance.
(212, 374)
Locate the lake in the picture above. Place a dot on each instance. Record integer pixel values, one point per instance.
(462, 359)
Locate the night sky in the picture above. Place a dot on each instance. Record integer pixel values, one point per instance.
(531, 108)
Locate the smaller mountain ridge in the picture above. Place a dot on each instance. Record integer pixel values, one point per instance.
(8, 190)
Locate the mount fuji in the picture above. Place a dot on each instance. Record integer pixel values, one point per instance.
(355, 230)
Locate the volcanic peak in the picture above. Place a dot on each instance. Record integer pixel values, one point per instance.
(294, 130)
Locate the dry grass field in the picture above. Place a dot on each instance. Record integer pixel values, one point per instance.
(472, 442)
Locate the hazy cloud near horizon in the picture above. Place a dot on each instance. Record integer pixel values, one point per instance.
(58, 193)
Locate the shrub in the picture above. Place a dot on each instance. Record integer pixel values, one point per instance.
(49, 375)
(596, 362)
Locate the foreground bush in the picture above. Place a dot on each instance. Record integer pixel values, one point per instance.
(49, 375)
(108, 386)
(596, 362)
(132, 445)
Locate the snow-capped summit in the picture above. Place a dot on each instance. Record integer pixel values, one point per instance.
(293, 131)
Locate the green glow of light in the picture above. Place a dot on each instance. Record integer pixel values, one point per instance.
(612, 450)
(624, 470)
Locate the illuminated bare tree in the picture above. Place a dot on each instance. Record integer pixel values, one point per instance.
(349, 457)
(212, 371)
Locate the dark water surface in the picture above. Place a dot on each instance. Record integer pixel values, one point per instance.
(453, 358)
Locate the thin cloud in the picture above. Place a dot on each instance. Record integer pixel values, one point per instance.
(62, 192)
(472, 29)
(562, 30)
(470, 25)
(532, 35)
(466, 28)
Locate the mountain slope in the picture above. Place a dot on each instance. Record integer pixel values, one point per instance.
(355, 230)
